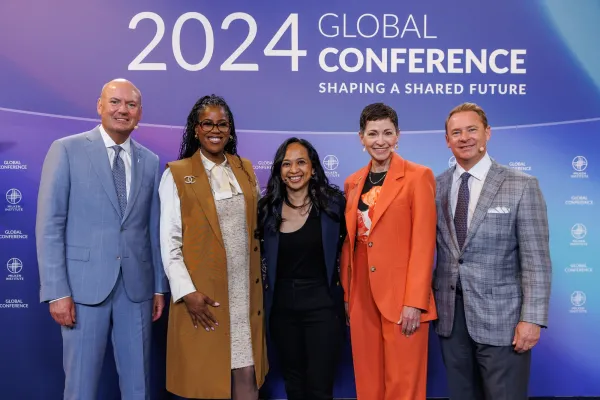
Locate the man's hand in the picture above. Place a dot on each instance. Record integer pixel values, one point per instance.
(158, 307)
(63, 312)
(526, 336)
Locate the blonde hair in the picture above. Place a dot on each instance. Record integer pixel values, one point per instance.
(468, 107)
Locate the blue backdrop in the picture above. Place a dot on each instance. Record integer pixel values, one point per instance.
(307, 69)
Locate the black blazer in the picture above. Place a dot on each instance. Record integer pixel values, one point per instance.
(333, 234)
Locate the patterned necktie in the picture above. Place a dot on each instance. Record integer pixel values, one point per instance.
(118, 172)
(462, 210)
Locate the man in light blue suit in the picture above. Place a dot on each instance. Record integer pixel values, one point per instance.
(98, 246)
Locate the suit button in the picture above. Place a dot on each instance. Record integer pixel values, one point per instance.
(257, 280)
(372, 269)
(266, 286)
(451, 287)
(255, 248)
(118, 257)
(338, 283)
(258, 312)
(370, 244)
(460, 261)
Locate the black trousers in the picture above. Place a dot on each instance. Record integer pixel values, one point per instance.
(478, 371)
(307, 332)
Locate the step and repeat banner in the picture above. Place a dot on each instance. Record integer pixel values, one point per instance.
(307, 69)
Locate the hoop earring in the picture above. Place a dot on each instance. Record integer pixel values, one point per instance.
(364, 148)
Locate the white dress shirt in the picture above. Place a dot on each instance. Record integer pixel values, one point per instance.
(476, 181)
(223, 184)
(125, 155)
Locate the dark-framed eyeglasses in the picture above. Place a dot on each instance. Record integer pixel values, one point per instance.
(207, 126)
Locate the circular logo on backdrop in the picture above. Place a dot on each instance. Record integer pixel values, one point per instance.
(578, 231)
(14, 265)
(330, 162)
(578, 298)
(579, 163)
(452, 162)
(13, 196)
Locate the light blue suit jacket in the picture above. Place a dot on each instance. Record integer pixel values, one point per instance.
(82, 242)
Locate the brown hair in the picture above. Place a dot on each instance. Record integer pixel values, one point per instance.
(468, 107)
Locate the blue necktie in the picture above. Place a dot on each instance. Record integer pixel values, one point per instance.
(118, 172)
(462, 210)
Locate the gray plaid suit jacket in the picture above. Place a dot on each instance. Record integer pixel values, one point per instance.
(504, 265)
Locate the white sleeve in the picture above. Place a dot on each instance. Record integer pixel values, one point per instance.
(171, 239)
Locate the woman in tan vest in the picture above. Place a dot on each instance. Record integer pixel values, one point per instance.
(216, 345)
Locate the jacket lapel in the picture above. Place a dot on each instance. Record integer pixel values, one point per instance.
(329, 231)
(96, 151)
(493, 181)
(354, 191)
(446, 188)
(137, 172)
(203, 192)
(390, 188)
(272, 252)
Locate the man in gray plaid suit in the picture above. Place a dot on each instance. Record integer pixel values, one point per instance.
(493, 273)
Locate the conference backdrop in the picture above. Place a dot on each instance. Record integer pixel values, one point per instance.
(306, 69)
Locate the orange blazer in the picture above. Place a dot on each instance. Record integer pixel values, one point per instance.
(401, 245)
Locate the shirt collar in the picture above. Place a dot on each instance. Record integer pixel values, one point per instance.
(208, 164)
(479, 170)
(108, 142)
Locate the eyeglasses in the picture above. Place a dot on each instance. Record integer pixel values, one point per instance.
(207, 126)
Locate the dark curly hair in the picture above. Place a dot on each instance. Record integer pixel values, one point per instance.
(189, 142)
(322, 194)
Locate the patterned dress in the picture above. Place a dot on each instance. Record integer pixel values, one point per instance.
(232, 221)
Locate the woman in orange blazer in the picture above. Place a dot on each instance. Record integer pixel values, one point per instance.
(387, 263)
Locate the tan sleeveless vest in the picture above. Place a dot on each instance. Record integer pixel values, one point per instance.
(199, 362)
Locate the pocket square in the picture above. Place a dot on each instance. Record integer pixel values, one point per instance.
(499, 210)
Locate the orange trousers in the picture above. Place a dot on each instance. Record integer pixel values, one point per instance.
(387, 364)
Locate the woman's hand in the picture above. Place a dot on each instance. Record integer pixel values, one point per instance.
(197, 306)
(410, 320)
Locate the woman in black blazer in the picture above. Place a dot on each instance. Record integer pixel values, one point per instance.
(301, 226)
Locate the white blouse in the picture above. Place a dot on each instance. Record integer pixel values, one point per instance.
(224, 185)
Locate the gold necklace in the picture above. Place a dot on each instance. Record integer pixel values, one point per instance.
(380, 179)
